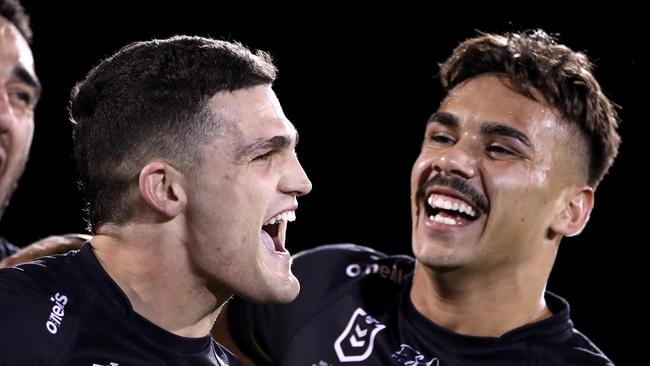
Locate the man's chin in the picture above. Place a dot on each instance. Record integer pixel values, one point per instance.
(278, 293)
(290, 292)
(437, 258)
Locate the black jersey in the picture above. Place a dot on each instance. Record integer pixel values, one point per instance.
(354, 309)
(65, 310)
(6, 248)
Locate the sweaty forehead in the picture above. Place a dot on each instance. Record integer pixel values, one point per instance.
(490, 98)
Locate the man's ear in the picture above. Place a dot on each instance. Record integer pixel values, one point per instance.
(163, 188)
(573, 216)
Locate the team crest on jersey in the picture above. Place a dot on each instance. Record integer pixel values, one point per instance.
(356, 342)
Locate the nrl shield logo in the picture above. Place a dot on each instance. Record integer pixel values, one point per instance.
(356, 342)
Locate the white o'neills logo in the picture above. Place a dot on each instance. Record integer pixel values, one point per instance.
(393, 273)
(58, 311)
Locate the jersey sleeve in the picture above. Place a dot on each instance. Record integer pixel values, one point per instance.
(263, 331)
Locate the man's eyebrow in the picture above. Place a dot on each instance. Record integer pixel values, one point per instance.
(273, 143)
(28, 78)
(445, 118)
(498, 128)
(489, 128)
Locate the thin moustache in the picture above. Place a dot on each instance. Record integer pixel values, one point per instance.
(466, 190)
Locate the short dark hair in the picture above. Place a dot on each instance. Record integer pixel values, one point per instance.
(533, 61)
(15, 13)
(150, 101)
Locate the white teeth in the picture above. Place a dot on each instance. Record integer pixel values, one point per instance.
(440, 202)
(289, 216)
(443, 220)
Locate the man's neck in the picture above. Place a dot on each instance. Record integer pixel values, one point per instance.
(156, 276)
(479, 304)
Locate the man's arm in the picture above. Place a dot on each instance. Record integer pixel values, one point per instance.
(55, 244)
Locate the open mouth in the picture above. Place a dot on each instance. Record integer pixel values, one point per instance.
(448, 210)
(274, 229)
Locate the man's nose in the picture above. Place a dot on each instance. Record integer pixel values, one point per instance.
(456, 160)
(296, 181)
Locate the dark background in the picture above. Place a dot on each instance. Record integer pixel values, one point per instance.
(359, 93)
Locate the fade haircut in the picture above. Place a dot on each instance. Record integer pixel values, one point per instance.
(150, 101)
(534, 62)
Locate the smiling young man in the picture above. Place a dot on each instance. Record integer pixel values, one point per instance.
(508, 167)
(20, 90)
(188, 164)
